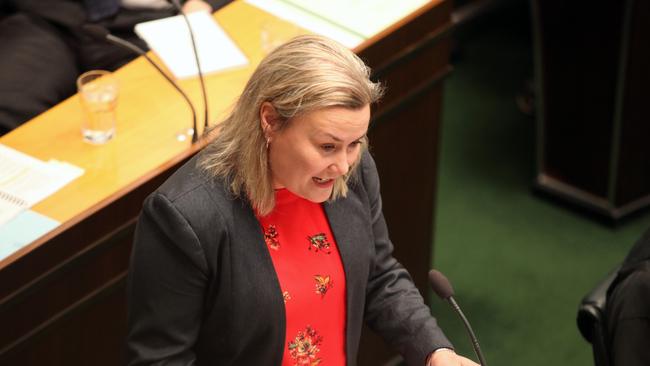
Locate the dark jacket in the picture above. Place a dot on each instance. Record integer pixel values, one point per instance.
(69, 15)
(628, 308)
(203, 289)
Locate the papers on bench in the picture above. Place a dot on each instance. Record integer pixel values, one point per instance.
(170, 39)
(311, 22)
(22, 230)
(24, 181)
(348, 22)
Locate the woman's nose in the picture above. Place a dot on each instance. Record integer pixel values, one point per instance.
(341, 165)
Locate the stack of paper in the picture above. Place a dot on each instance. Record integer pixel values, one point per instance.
(311, 22)
(22, 230)
(363, 17)
(10, 206)
(24, 180)
(170, 39)
(348, 22)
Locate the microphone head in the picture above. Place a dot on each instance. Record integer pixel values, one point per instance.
(440, 284)
(95, 32)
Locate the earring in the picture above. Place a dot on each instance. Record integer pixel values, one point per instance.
(268, 141)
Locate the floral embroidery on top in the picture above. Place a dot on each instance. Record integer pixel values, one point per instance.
(319, 242)
(286, 296)
(271, 237)
(323, 284)
(305, 347)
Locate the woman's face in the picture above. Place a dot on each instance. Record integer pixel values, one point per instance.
(315, 148)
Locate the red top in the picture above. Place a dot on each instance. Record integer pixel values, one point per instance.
(308, 265)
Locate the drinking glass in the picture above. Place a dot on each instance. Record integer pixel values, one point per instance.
(98, 92)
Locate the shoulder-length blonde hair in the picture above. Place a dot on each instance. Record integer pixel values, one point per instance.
(305, 74)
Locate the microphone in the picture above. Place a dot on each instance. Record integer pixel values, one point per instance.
(442, 287)
(179, 9)
(100, 33)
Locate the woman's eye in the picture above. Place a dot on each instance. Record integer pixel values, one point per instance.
(355, 144)
(327, 147)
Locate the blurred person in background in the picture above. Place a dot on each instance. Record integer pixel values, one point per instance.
(43, 50)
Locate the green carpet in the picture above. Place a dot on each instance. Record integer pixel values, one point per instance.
(519, 263)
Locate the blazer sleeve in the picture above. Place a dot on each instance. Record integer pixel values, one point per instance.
(394, 307)
(167, 280)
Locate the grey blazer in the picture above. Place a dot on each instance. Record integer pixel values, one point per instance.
(203, 290)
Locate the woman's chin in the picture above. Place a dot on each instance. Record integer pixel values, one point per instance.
(316, 195)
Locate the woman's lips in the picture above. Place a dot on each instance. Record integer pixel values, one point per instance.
(323, 182)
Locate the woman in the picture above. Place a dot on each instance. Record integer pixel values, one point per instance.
(270, 247)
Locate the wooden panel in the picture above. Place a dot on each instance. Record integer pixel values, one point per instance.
(69, 283)
(633, 168)
(579, 90)
(90, 333)
(592, 68)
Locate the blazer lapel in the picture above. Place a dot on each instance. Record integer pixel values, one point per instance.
(259, 281)
(350, 225)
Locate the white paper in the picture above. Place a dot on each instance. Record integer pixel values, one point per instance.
(170, 39)
(363, 17)
(25, 181)
(10, 207)
(22, 230)
(315, 24)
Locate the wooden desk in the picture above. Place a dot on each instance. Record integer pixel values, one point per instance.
(591, 70)
(62, 298)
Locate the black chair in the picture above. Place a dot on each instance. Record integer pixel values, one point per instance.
(591, 319)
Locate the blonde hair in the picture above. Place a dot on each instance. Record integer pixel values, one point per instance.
(305, 74)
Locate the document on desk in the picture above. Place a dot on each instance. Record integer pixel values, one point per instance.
(25, 180)
(170, 39)
(22, 230)
(311, 22)
(347, 21)
(363, 17)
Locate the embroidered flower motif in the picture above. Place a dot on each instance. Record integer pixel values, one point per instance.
(271, 237)
(323, 284)
(305, 347)
(286, 296)
(319, 242)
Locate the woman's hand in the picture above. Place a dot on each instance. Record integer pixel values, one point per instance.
(196, 5)
(447, 357)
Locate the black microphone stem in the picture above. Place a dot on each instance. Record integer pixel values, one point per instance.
(142, 53)
(477, 348)
(178, 7)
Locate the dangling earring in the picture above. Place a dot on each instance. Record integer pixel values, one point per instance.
(268, 141)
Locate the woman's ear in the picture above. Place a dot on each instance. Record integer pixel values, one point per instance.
(268, 119)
